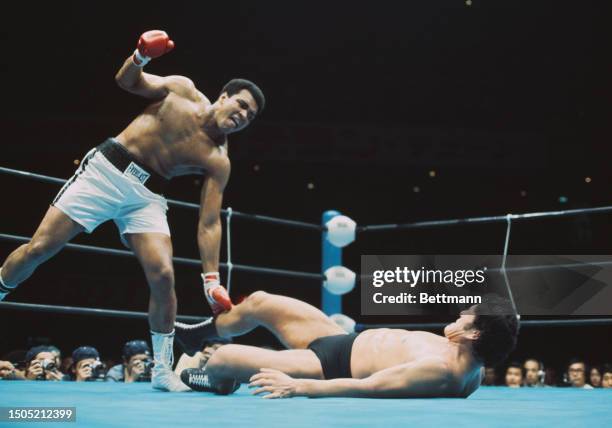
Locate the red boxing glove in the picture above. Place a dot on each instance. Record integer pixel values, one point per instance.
(215, 293)
(152, 44)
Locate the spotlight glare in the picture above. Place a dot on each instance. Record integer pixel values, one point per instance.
(563, 199)
(416, 189)
(432, 173)
(310, 186)
(587, 179)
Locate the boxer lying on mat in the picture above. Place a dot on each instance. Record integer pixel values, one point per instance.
(322, 360)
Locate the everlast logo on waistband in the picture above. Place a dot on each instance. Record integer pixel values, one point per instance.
(137, 172)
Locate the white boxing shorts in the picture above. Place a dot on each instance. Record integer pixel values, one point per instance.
(110, 184)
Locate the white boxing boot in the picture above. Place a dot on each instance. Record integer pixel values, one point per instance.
(162, 376)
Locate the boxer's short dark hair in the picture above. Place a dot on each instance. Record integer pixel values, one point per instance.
(236, 85)
(498, 326)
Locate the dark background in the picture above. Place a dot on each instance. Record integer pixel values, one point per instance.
(507, 101)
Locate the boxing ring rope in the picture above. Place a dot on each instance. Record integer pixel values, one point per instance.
(75, 310)
(178, 260)
(579, 322)
(479, 220)
(508, 218)
(111, 313)
(228, 239)
(228, 214)
(331, 256)
(224, 213)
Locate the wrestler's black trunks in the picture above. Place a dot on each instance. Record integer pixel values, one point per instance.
(334, 352)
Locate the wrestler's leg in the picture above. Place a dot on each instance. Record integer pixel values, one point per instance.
(55, 230)
(154, 252)
(295, 323)
(240, 362)
(198, 360)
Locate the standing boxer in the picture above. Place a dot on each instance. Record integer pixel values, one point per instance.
(181, 132)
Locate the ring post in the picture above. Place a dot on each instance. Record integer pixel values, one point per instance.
(331, 256)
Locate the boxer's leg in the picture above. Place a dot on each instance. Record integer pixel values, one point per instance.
(55, 230)
(154, 251)
(295, 323)
(75, 209)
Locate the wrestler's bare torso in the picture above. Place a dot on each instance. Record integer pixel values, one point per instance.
(169, 136)
(379, 349)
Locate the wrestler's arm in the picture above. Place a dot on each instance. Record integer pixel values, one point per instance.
(423, 378)
(131, 78)
(209, 225)
(418, 379)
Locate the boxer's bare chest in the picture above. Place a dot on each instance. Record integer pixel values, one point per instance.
(169, 136)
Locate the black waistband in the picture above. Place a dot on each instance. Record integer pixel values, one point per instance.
(125, 162)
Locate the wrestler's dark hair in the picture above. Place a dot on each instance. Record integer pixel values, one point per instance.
(236, 85)
(498, 326)
(606, 368)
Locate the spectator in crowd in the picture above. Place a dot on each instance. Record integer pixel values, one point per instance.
(109, 362)
(9, 372)
(550, 377)
(534, 373)
(606, 376)
(58, 356)
(66, 365)
(86, 365)
(514, 375)
(136, 366)
(595, 377)
(490, 376)
(12, 366)
(576, 374)
(41, 364)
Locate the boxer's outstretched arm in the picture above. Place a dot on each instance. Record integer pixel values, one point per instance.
(152, 44)
(209, 225)
(131, 78)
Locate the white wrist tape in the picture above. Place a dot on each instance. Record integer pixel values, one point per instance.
(142, 60)
(211, 277)
(211, 280)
